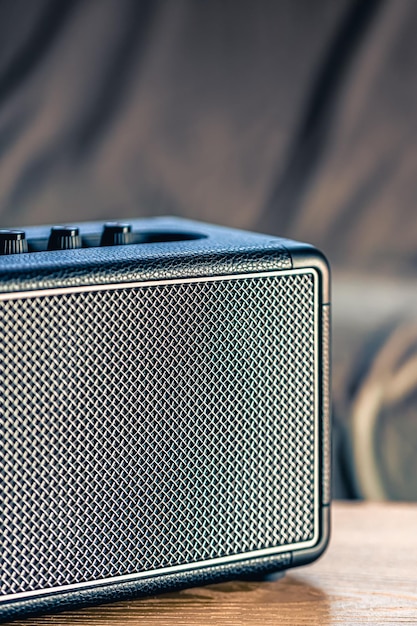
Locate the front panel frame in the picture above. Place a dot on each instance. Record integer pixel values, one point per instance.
(268, 552)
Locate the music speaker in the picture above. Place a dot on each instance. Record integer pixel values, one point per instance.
(164, 409)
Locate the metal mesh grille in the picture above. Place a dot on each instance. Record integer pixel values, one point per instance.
(149, 427)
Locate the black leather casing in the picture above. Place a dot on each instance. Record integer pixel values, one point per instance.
(215, 251)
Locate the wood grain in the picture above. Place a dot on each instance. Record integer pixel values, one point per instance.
(368, 575)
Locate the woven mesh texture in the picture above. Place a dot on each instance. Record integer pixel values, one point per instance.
(153, 426)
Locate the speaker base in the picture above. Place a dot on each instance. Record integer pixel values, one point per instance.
(268, 577)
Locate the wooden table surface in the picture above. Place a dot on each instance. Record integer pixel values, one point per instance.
(367, 576)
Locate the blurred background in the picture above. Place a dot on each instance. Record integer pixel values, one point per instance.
(290, 117)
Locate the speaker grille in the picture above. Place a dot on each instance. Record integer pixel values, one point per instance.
(152, 426)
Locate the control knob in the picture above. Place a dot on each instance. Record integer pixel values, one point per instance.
(64, 238)
(116, 234)
(13, 242)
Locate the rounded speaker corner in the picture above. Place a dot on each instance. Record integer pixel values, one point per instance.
(304, 256)
(304, 557)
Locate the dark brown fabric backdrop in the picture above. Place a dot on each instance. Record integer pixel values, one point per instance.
(296, 117)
